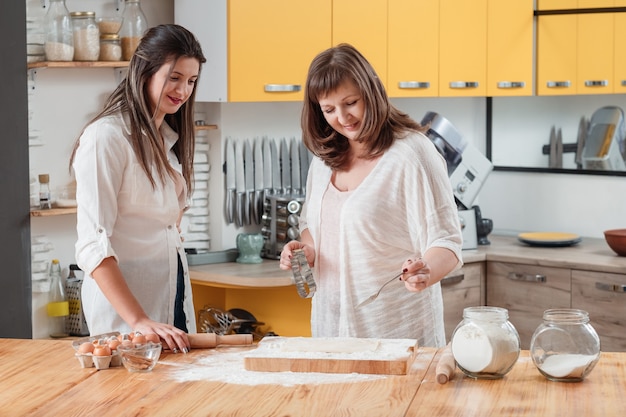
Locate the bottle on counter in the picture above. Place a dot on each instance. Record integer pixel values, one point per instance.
(86, 36)
(133, 28)
(485, 345)
(58, 306)
(45, 200)
(565, 347)
(59, 35)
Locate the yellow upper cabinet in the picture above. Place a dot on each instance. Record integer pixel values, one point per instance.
(256, 50)
(271, 44)
(413, 48)
(619, 53)
(595, 53)
(364, 26)
(462, 48)
(510, 47)
(556, 54)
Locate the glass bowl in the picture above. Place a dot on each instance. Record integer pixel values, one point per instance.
(140, 358)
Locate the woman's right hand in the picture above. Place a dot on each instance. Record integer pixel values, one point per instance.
(287, 254)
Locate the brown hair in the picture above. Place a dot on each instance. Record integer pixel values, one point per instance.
(159, 45)
(382, 122)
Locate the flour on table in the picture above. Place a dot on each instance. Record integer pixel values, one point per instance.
(329, 345)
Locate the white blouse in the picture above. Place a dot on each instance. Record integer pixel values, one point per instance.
(120, 214)
(401, 209)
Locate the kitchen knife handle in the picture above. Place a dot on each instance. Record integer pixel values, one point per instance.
(230, 205)
(282, 88)
(464, 84)
(240, 209)
(511, 84)
(413, 85)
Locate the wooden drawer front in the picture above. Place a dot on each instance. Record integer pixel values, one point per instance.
(527, 291)
(463, 288)
(603, 296)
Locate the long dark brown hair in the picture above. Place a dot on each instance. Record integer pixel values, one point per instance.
(159, 45)
(382, 122)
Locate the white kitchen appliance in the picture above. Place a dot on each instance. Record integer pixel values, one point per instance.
(468, 228)
(604, 144)
(467, 167)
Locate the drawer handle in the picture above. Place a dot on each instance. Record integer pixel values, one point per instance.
(518, 276)
(464, 84)
(610, 287)
(413, 85)
(596, 83)
(559, 84)
(282, 88)
(454, 279)
(511, 84)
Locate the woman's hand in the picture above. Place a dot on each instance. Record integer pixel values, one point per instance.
(173, 338)
(416, 275)
(287, 254)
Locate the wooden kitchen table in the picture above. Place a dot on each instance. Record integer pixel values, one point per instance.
(43, 378)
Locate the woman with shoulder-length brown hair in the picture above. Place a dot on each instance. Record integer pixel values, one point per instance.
(378, 204)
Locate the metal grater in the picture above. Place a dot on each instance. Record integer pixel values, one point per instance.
(76, 325)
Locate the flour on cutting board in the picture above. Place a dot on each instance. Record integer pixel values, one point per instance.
(227, 364)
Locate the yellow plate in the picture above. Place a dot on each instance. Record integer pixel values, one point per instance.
(549, 238)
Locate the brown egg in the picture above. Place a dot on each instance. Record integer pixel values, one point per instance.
(114, 343)
(86, 347)
(102, 350)
(139, 339)
(153, 337)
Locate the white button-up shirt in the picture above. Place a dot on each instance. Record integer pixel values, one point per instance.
(120, 214)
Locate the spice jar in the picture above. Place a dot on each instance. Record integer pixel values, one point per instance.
(86, 36)
(133, 28)
(565, 347)
(110, 48)
(485, 344)
(59, 37)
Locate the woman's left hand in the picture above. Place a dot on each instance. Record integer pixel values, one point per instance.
(417, 275)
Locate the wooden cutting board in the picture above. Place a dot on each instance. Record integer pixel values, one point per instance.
(332, 355)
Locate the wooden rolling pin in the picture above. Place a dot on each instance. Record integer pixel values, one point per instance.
(211, 340)
(446, 365)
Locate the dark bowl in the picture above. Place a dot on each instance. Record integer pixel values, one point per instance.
(616, 239)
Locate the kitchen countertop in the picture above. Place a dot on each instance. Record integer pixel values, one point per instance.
(590, 254)
(43, 378)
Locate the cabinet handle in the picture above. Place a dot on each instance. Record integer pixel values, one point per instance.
(623, 83)
(610, 287)
(559, 84)
(282, 88)
(596, 83)
(511, 84)
(463, 84)
(413, 84)
(454, 279)
(518, 276)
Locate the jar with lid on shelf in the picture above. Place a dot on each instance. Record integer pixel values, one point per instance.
(59, 34)
(134, 26)
(86, 36)
(110, 47)
(565, 347)
(485, 344)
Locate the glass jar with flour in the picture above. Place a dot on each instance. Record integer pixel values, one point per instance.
(565, 347)
(485, 344)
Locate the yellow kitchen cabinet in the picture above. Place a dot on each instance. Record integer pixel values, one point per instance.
(556, 54)
(595, 53)
(603, 296)
(462, 48)
(364, 27)
(526, 291)
(461, 289)
(556, 4)
(619, 52)
(256, 50)
(510, 45)
(413, 48)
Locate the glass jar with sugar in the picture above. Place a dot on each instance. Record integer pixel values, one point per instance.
(86, 36)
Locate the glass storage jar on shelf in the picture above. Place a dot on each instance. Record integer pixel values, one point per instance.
(59, 37)
(86, 36)
(134, 26)
(565, 347)
(110, 47)
(485, 345)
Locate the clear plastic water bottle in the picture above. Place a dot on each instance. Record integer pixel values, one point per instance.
(134, 26)
(58, 307)
(59, 35)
